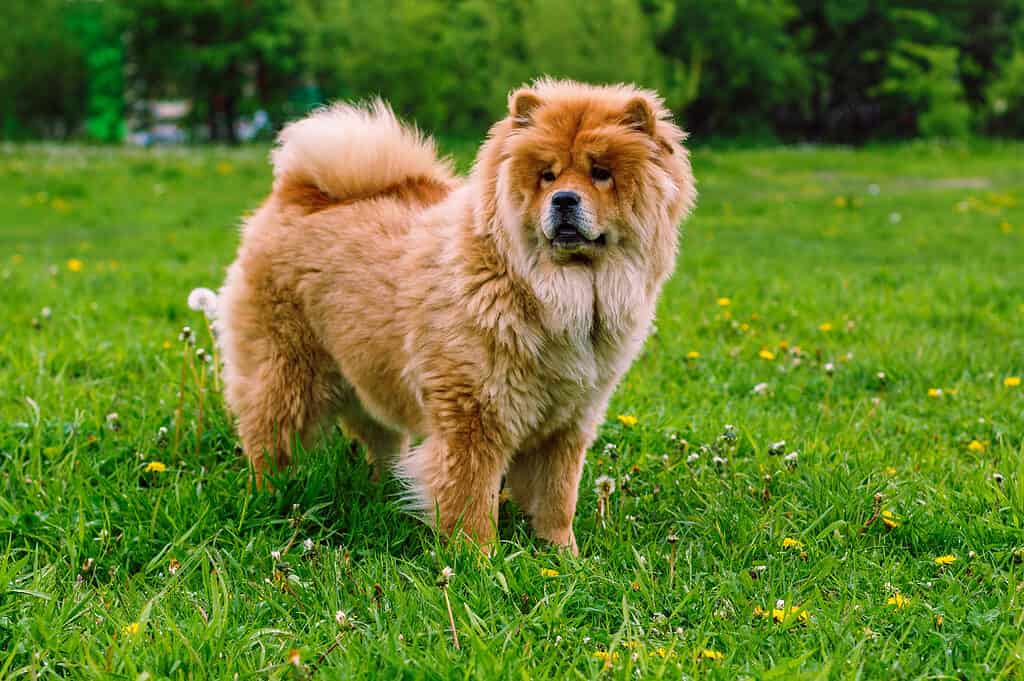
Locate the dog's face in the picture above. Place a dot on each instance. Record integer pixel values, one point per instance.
(590, 170)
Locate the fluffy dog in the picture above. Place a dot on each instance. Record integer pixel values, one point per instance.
(485, 320)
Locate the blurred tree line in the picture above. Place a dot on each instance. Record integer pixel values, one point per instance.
(833, 70)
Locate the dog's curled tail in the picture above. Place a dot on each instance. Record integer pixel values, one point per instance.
(352, 152)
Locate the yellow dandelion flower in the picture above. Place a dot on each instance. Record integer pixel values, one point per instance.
(156, 467)
(724, 302)
(889, 520)
(934, 392)
(976, 446)
(631, 644)
(225, 168)
(627, 420)
(890, 470)
(168, 345)
(60, 205)
(790, 543)
(548, 572)
(635, 585)
(744, 327)
(692, 354)
(17, 258)
(131, 629)
(939, 619)
(781, 615)
(1006, 227)
(897, 600)
(1011, 381)
(766, 354)
(663, 652)
(605, 656)
(825, 326)
(783, 345)
(709, 654)
(839, 202)
(945, 560)
(75, 265)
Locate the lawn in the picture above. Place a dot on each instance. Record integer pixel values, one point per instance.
(866, 307)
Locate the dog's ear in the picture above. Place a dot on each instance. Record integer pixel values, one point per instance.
(640, 115)
(521, 105)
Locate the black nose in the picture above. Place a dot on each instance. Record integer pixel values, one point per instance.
(565, 199)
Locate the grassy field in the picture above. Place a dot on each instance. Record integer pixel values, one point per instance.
(866, 307)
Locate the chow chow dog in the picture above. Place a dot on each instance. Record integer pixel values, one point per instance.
(464, 330)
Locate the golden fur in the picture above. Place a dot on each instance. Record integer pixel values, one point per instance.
(377, 288)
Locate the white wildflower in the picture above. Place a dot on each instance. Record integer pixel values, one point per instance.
(204, 300)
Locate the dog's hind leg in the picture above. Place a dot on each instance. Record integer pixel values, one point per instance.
(287, 403)
(279, 383)
(383, 445)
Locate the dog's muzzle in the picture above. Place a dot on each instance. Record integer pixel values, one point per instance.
(568, 227)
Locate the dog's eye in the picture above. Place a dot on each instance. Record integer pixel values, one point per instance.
(547, 176)
(600, 174)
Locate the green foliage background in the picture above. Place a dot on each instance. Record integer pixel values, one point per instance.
(838, 70)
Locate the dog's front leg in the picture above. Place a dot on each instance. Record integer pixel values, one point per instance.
(545, 481)
(454, 481)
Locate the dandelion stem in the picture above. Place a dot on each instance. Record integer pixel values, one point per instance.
(672, 566)
(181, 400)
(199, 416)
(451, 619)
(216, 355)
(875, 513)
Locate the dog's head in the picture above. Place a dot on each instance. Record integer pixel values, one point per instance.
(581, 172)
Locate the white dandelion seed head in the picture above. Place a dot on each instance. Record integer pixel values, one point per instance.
(203, 300)
(760, 388)
(780, 604)
(605, 485)
(719, 461)
(307, 545)
(693, 458)
(777, 448)
(998, 477)
(275, 555)
(46, 313)
(895, 218)
(830, 368)
(343, 620)
(874, 189)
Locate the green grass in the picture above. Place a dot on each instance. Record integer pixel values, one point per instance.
(922, 279)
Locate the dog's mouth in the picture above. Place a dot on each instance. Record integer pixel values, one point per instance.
(567, 237)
